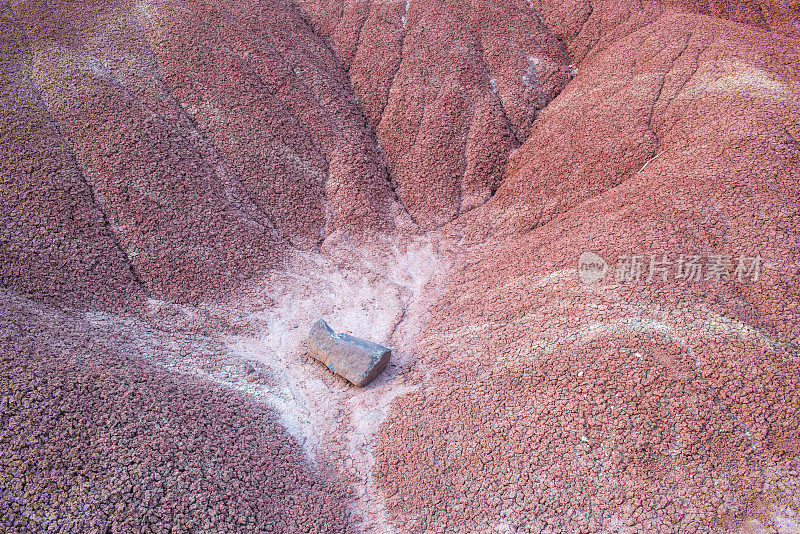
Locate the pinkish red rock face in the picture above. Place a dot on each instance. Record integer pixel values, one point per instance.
(181, 150)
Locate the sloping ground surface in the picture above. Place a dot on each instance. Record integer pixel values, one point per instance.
(668, 405)
(55, 242)
(208, 135)
(275, 100)
(451, 87)
(97, 440)
(217, 169)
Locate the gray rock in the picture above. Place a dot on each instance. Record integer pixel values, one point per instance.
(357, 360)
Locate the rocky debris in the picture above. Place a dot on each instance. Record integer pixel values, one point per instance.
(357, 360)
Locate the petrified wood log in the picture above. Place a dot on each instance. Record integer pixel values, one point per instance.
(357, 360)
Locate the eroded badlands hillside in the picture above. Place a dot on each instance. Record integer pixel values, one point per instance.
(187, 185)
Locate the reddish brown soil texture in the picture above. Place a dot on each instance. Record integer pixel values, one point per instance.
(451, 87)
(55, 243)
(209, 136)
(177, 149)
(658, 407)
(98, 441)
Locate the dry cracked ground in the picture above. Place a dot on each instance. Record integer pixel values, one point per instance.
(575, 223)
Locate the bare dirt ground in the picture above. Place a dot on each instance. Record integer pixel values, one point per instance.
(255, 345)
(185, 185)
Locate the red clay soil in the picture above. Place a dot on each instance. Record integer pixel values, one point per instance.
(55, 242)
(99, 441)
(182, 150)
(656, 407)
(210, 135)
(451, 88)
